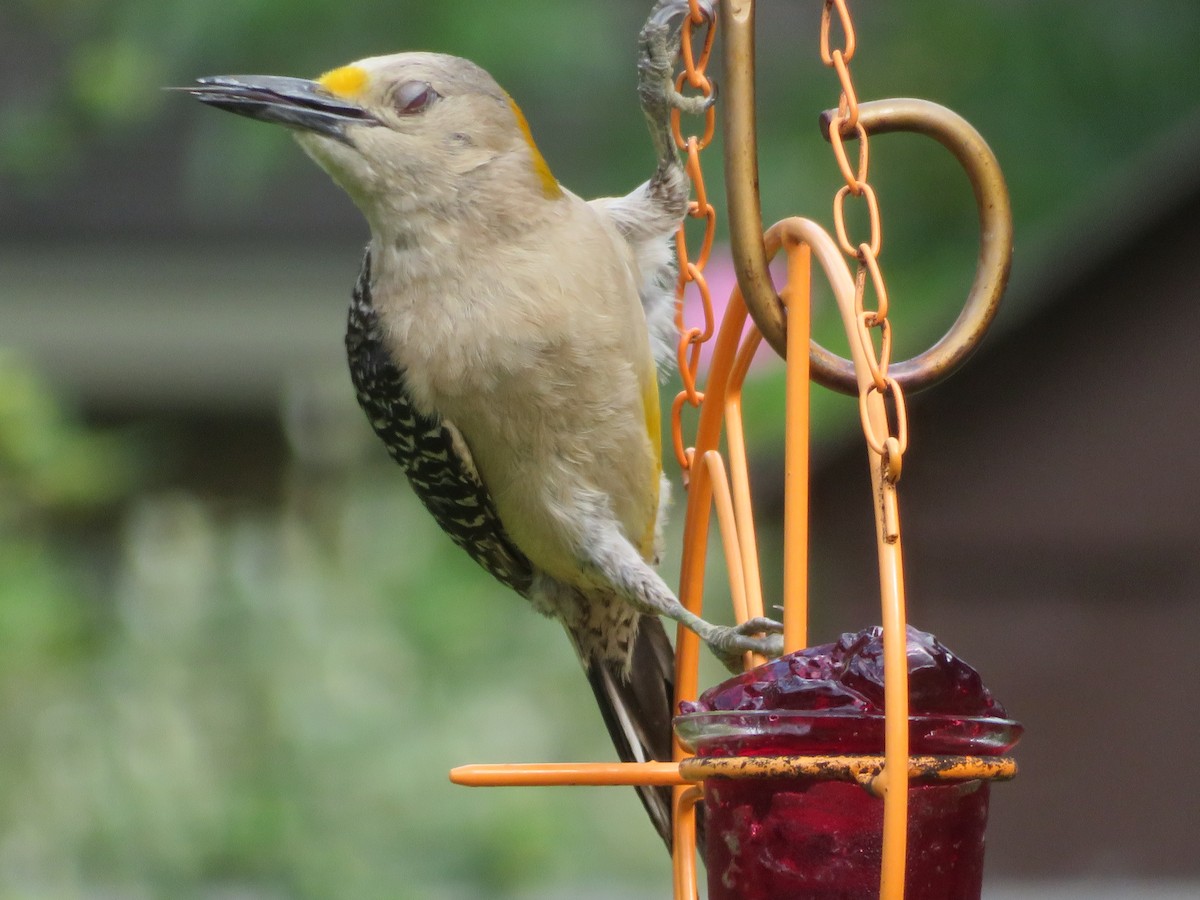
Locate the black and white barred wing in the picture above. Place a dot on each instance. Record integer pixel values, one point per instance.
(429, 449)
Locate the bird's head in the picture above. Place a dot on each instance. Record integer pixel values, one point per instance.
(402, 132)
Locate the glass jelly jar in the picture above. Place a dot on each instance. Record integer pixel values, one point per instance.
(812, 839)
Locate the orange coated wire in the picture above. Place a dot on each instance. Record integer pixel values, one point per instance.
(739, 471)
(709, 488)
(796, 297)
(683, 860)
(884, 454)
(526, 774)
(708, 436)
(895, 700)
(728, 527)
(695, 535)
(849, 40)
(722, 395)
(860, 768)
(893, 782)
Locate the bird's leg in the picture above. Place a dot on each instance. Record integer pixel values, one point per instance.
(666, 193)
(729, 643)
(650, 594)
(658, 53)
(611, 561)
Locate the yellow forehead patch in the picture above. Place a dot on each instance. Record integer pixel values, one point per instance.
(550, 186)
(348, 81)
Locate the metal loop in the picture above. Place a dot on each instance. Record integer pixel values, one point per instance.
(691, 338)
(688, 358)
(709, 214)
(695, 274)
(854, 178)
(743, 209)
(877, 365)
(848, 105)
(992, 268)
(893, 457)
(682, 456)
(839, 219)
(847, 29)
(892, 388)
(871, 264)
(707, 88)
(693, 66)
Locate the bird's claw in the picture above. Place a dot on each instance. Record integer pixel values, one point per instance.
(696, 105)
(761, 635)
(659, 49)
(759, 625)
(666, 10)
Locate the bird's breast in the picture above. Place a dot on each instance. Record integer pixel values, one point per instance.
(537, 352)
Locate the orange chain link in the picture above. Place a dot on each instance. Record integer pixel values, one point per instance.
(877, 416)
(692, 270)
(845, 123)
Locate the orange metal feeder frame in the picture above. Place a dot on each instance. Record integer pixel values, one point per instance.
(783, 319)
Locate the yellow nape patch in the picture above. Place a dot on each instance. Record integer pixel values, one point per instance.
(550, 186)
(348, 81)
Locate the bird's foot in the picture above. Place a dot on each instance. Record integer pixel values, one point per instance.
(658, 54)
(761, 635)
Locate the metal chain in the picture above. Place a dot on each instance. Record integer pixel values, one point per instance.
(845, 124)
(885, 427)
(692, 270)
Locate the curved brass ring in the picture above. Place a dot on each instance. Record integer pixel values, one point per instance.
(991, 272)
(741, 173)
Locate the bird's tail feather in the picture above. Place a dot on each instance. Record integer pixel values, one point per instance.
(636, 705)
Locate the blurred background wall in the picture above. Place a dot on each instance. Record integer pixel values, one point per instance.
(236, 658)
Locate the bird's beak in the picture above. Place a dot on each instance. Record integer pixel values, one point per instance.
(294, 102)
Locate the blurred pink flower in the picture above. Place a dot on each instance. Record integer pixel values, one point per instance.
(721, 282)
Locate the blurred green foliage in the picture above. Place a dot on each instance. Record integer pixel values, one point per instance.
(47, 460)
(264, 703)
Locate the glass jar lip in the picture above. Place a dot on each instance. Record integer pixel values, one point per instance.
(948, 729)
(773, 715)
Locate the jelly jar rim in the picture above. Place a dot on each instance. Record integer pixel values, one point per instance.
(772, 715)
(935, 732)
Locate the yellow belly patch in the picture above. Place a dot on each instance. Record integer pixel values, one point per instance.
(653, 416)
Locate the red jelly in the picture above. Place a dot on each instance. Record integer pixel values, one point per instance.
(806, 839)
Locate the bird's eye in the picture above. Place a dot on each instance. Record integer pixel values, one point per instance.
(413, 97)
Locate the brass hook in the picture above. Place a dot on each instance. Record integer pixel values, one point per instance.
(741, 173)
(877, 117)
(957, 135)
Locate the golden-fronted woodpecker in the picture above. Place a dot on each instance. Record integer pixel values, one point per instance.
(502, 339)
